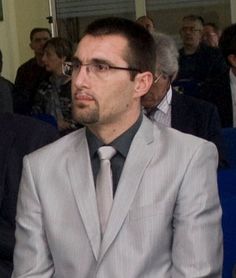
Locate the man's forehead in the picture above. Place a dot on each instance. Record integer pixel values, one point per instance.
(113, 43)
(209, 28)
(41, 34)
(103, 38)
(188, 22)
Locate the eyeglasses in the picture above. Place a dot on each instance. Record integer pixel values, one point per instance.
(190, 29)
(157, 78)
(96, 68)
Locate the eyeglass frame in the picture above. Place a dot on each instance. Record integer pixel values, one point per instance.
(93, 65)
(190, 29)
(157, 78)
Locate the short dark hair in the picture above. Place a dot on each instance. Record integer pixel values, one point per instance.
(227, 42)
(63, 47)
(37, 30)
(193, 17)
(214, 26)
(141, 53)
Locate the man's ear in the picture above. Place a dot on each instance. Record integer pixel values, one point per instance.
(30, 44)
(232, 60)
(143, 82)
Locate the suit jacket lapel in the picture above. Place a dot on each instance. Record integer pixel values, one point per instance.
(129, 182)
(84, 191)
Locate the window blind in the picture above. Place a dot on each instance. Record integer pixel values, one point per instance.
(164, 4)
(80, 8)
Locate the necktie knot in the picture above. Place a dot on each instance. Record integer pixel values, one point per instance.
(106, 152)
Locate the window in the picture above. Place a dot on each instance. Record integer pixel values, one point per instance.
(72, 16)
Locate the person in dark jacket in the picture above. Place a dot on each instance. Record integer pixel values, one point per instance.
(197, 61)
(30, 74)
(19, 135)
(221, 90)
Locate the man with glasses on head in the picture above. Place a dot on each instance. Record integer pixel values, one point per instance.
(166, 106)
(112, 199)
(197, 61)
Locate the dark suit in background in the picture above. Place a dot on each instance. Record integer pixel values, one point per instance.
(19, 135)
(6, 89)
(218, 92)
(199, 118)
(196, 117)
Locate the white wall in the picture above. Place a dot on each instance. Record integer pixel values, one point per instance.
(233, 11)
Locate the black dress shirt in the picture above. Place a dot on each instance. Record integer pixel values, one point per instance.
(121, 144)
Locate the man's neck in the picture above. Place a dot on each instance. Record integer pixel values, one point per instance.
(189, 49)
(38, 58)
(108, 132)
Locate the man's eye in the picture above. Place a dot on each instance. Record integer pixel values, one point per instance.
(100, 67)
(76, 65)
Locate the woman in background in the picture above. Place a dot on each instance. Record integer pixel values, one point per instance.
(54, 95)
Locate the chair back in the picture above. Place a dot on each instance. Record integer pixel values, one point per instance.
(227, 193)
(229, 145)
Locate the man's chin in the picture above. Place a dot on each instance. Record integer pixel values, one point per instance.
(84, 117)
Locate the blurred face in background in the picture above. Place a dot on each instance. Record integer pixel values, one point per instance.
(191, 33)
(38, 41)
(210, 36)
(51, 61)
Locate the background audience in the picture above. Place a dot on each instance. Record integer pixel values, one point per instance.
(222, 90)
(197, 61)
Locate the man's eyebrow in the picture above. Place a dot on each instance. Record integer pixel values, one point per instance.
(75, 59)
(93, 61)
(100, 61)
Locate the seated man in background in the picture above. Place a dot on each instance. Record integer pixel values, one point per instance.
(197, 61)
(19, 135)
(211, 34)
(31, 73)
(164, 105)
(221, 90)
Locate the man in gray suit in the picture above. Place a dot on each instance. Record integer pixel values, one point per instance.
(165, 216)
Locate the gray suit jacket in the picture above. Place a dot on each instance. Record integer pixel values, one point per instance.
(165, 219)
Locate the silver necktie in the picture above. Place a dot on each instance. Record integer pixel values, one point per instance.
(104, 187)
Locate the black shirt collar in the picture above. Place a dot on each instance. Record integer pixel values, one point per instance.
(121, 143)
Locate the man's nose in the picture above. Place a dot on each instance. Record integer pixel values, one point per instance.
(81, 76)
